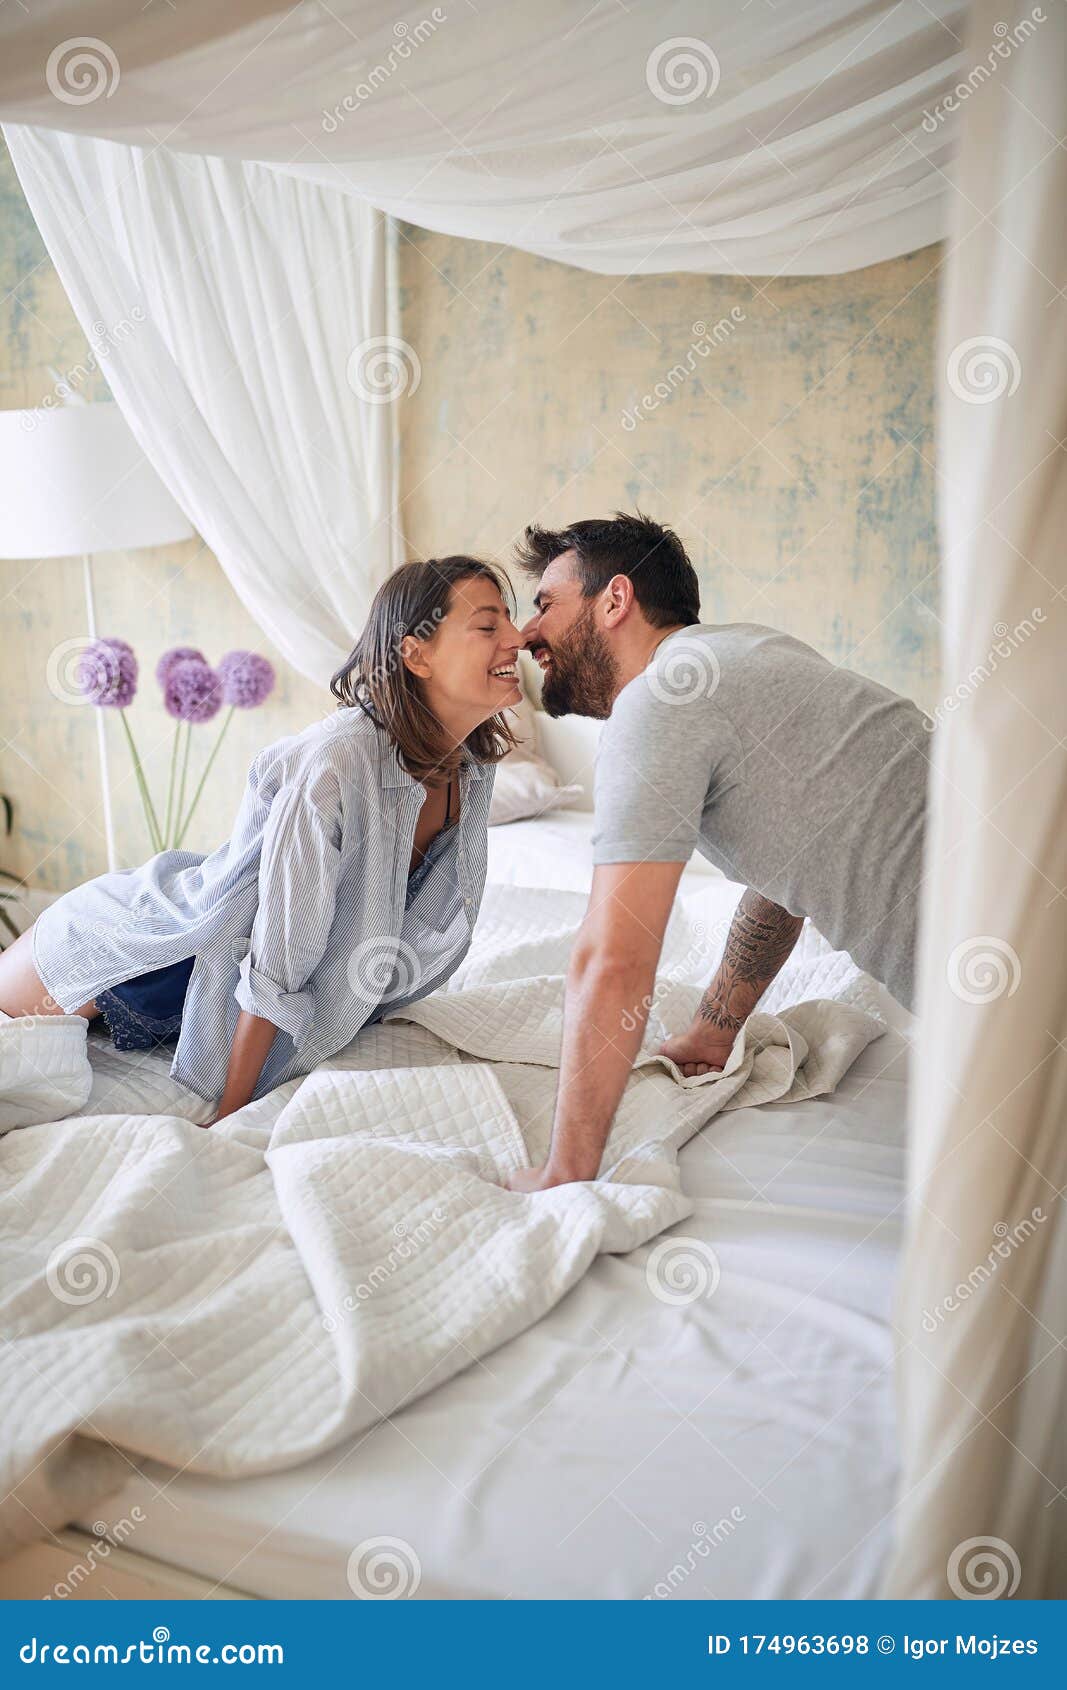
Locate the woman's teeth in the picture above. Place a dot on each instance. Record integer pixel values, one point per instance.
(507, 672)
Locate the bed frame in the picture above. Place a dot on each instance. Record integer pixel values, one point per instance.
(76, 1566)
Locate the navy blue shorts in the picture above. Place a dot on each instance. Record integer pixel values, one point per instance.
(147, 1010)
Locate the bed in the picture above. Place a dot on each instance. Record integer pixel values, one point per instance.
(624, 1446)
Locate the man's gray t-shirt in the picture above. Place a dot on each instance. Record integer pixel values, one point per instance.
(802, 780)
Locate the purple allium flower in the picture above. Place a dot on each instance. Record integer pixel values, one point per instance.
(246, 678)
(192, 690)
(176, 654)
(107, 673)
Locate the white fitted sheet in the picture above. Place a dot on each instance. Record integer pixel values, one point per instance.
(555, 851)
(740, 1445)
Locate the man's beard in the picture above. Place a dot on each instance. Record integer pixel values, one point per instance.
(583, 676)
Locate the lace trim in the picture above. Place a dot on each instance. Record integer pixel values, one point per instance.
(130, 1030)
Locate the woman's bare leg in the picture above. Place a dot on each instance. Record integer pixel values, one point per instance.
(21, 989)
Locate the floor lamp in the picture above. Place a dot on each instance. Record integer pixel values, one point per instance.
(73, 481)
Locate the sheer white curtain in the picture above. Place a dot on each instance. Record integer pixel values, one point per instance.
(659, 135)
(239, 316)
(982, 1313)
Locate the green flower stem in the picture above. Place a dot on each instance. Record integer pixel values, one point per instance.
(207, 771)
(185, 770)
(146, 801)
(170, 785)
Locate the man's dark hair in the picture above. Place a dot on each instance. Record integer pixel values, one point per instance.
(664, 580)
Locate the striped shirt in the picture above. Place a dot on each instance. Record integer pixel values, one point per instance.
(305, 916)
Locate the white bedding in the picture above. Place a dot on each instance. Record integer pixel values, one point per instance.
(554, 851)
(517, 1475)
(579, 1459)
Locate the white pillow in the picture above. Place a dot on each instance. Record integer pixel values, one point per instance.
(525, 784)
(570, 744)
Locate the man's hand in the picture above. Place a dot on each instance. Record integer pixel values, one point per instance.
(535, 1179)
(699, 1050)
(760, 939)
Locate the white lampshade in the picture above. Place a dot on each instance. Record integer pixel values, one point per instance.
(73, 480)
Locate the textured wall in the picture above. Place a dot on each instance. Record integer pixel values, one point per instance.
(790, 443)
(792, 450)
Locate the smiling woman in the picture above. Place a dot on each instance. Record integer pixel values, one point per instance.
(352, 880)
(436, 662)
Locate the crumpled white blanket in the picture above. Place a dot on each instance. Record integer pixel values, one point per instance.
(238, 1300)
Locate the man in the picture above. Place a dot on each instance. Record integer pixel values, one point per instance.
(803, 781)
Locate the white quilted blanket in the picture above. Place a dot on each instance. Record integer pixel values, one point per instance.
(238, 1300)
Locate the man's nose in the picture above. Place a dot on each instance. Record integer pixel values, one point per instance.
(528, 632)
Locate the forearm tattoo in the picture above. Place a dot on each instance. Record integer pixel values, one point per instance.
(761, 937)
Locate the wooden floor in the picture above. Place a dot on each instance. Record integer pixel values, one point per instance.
(75, 1566)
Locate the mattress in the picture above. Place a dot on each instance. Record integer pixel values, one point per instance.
(712, 1421)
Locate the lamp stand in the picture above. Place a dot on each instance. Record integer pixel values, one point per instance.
(101, 735)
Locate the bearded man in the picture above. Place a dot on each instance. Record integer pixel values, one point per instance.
(804, 781)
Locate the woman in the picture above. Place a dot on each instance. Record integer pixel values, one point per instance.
(352, 879)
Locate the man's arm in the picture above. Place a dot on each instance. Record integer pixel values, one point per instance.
(610, 983)
(761, 937)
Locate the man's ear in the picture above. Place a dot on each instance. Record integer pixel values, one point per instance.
(413, 656)
(619, 599)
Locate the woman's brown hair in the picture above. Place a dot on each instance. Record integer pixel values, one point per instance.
(414, 601)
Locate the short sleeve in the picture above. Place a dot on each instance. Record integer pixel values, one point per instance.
(298, 873)
(654, 773)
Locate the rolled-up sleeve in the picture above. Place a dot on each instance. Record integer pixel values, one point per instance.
(298, 874)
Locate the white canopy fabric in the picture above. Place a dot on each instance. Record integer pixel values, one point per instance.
(689, 135)
(982, 1314)
(240, 318)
